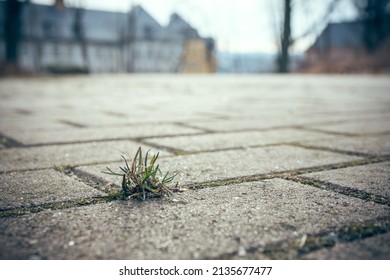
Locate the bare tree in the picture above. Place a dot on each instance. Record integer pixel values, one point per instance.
(79, 33)
(12, 32)
(285, 38)
(283, 58)
(376, 20)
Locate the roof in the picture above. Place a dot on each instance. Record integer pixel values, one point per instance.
(49, 22)
(143, 26)
(341, 35)
(178, 28)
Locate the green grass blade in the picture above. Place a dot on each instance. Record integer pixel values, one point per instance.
(151, 189)
(123, 169)
(154, 159)
(146, 158)
(140, 169)
(127, 165)
(134, 164)
(111, 172)
(170, 178)
(146, 177)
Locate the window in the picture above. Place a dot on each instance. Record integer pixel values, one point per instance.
(148, 32)
(48, 29)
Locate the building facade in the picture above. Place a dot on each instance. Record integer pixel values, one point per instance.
(341, 48)
(68, 39)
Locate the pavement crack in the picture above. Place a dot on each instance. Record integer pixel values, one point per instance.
(299, 247)
(348, 191)
(95, 182)
(14, 212)
(88, 179)
(284, 174)
(329, 132)
(161, 147)
(72, 124)
(9, 142)
(326, 149)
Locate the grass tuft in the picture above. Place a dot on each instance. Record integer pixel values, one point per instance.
(143, 178)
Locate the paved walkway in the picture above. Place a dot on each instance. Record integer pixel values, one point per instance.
(272, 167)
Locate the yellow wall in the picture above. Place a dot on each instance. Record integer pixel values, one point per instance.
(196, 58)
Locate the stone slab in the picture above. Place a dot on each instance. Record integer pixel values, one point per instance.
(219, 141)
(59, 155)
(31, 123)
(212, 222)
(281, 118)
(39, 187)
(236, 163)
(375, 145)
(373, 248)
(31, 137)
(372, 126)
(237, 124)
(372, 178)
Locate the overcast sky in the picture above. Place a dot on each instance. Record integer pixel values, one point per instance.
(236, 25)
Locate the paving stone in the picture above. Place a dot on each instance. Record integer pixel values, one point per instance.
(220, 141)
(214, 221)
(376, 145)
(31, 123)
(39, 187)
(251, 161)
(372, 178)
(237, 125)
(373, 248)
(379, 125)
(276, 119)
(59, 155)
(236, 163)
(91, 134)
(96, 119)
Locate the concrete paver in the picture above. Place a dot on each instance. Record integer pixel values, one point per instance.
(35, 188)
(93, 134)
(213, 221)
(236, 163)
(271, 118)
(59, 155)
(83, 122)
(372, 178)
(31, 123)
(379, 125)
(372, 248)
(238, 124)
(220, 141)
(375, 145)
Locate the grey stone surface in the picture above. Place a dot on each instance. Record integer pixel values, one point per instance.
(219, 141)
(273, 118)
(93, 134)
(241, 124)
(39, 187)
(31, 123)
(372, 126)
(236, 163)
(372, 178)
(375, 145)
(212, 222)
(59, 155)
(48, 111)
(372, 248)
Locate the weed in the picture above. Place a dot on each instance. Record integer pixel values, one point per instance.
(141, 180)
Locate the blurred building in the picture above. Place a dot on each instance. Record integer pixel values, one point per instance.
(342, 48)
(68, 39)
